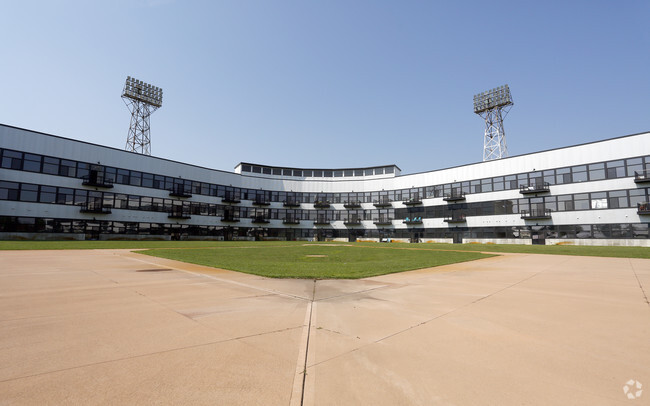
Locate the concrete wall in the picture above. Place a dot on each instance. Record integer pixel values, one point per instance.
(437, 240)
(599, 242)
(134, 237)
(521, 241)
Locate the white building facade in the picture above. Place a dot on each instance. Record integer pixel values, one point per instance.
(57, 188)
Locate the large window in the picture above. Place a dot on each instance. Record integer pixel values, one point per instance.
(12, 160)
(51, 165)
(9, 190)
(28, 193)
(47, 194)
(32, 163)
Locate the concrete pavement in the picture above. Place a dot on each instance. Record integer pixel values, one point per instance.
(116, 327)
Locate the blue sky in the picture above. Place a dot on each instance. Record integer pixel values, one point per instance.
(327, 83)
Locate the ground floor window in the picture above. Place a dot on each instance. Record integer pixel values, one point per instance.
(94, 228)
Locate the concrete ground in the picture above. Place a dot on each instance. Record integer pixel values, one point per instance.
(115, 327)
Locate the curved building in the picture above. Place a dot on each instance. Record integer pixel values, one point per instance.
(57, 188)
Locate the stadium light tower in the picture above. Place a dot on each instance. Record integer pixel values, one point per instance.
(493, 106)
(142, 99)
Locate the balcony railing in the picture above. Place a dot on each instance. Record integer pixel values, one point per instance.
(321, 204)
(95, 207)
(455, 218)
(413, 201)
(180, 191)
(642, 177)
(352, 221)
(260, 201)
(643, 208)
(454, 197)
(414, 220)
(97, 181)
(290, 220)
(537, 187)
(291, 203)
(322, 222)
(229, 219)
(260, 220)
(541, 214)
(179, 213)
(382, 203)
(352, 204)
(231, 199)
(383, 221)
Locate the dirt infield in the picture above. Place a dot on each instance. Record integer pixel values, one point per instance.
(115, 327)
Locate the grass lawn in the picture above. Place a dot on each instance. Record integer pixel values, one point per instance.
(331, 261)
(614, 252)
(296, 259)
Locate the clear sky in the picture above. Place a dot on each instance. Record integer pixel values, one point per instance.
(328, 83)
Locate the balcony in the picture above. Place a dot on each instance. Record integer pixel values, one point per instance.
(229, 219)
(290, 220)
(179, 213)
(352, 205)
(97, 180)
(382, 203)
(352, 221)
(455, 218)
(537, 187)
(454, 197)
(642, 177)
(95, 207)
(383, 221)
(414, 220)
(260, 201)
(231, 199)
(543, 214)
(643, 208)
(291, 203)
(321, 222)
(321, 204)
(260, 220)
(414, 201)
(180, 191)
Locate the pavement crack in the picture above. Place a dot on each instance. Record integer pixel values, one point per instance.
(645, 295)
(304, 369)
(353, 293)
(434, 318)
(188, 347)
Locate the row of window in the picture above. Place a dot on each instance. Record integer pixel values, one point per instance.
(49, 225)
(613, 199)
(26, 192)
(318, 173)
(17, 160)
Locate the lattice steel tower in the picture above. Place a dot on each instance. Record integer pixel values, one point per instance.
(142, 99)
(493, 106)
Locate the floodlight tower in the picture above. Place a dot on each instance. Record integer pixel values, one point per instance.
(493, 106)
(142, 99)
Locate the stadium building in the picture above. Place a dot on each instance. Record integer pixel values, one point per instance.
(58, 188)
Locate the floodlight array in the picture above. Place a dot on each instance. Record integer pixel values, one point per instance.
(138, 90)
(497, 97)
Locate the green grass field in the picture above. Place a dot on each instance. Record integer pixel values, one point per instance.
(616, 252)
(313, 261)
(295, 259)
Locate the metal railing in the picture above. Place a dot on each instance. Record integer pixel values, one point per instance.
(536, 214)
